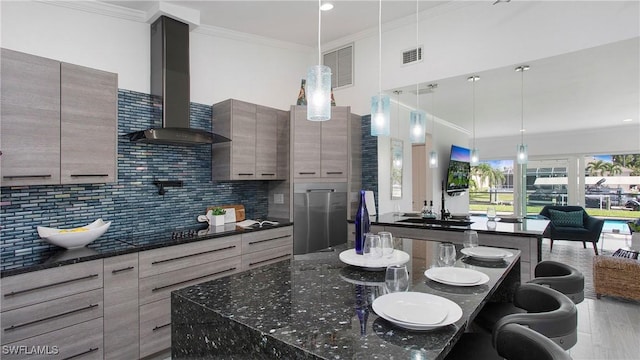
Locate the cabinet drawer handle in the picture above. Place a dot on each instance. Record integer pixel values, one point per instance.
(123, 269)
(334, 172)
(14, 327)
(275, 238)
(263, 261)
(82, 353)
(13, 293)
(245, 174)
(187, 256)
(268, 174)
(160, 327)
(307, 173)
(89, 175)
(195, 278)
(25, 176)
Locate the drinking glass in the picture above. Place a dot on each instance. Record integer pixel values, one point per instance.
(386, 243)
(470, 239)
(491, 225)
(372, 247)
(491, 213)
(446, 254)
(396, 278)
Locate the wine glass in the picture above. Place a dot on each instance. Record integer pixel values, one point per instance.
(491, 213)
(372, 247)
(386, 243)
(446, 254)
(396, 278)
(470, 239)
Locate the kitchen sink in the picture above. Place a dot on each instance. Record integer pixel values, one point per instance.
(436, 222)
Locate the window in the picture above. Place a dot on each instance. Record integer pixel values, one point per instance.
(612, 182)
(492, 183)
(341, 63)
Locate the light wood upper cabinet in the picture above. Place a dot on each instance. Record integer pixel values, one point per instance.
(320, 148)
(59, 122)
(88, 125)
(30, 126)
(253, 152)
(266, 143)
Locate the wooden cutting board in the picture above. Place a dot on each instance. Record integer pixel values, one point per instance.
(240, 215)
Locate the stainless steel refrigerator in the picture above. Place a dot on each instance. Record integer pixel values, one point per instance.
(319, 216)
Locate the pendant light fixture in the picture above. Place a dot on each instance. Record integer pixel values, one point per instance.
(522, 155)
(475, 153)
(433, 154)
(319, 84)
(417, 118)
(380, 112)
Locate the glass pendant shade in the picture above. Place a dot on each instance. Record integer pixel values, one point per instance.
(522, 155)
(380, 115)
(418, 122)
(318, 88)
(475, 157)
(433, 159)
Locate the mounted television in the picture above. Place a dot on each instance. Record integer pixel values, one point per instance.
(459, 171)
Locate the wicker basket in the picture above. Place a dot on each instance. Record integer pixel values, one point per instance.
(616, 276)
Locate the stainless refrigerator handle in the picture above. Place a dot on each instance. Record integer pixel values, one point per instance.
(321, 190)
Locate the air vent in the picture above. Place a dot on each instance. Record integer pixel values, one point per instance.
(341, 63)
(412, 55)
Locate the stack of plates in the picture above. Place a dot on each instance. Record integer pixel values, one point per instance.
(417, 311)
(457, 276)
(487, 253)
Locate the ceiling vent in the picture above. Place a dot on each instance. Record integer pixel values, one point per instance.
(412, 55)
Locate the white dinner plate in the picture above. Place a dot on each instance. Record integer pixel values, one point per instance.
(398, 257)
(486, 253)
(395, 302)
(457, 276)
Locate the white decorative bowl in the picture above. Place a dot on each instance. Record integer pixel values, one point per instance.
(74, 238)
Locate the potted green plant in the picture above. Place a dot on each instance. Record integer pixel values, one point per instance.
(216, 216)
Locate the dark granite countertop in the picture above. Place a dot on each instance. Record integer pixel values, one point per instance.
(529, 227)
(316, 307)
(107, 246)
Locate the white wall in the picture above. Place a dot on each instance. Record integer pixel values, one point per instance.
(222, 67)
(465, 37)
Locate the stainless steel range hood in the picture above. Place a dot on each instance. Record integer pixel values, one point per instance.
(170, 84)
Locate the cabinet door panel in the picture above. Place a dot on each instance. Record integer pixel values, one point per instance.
(283, 146)
(243, 130)
(121, 322)
(266, 239)
(34, 320)
(81, 341)
(266, 143)
(30, 126)
(334, 160)
(155, 327)
(39, 286)
(88, 125)
(306, 144)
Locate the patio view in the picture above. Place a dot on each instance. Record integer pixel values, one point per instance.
(606, 185)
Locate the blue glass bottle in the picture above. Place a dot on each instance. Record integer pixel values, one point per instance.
(362, 223)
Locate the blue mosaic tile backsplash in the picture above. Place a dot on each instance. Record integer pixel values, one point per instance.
(369, 158)
(133, 203)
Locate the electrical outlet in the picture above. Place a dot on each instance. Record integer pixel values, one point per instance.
(278, 198)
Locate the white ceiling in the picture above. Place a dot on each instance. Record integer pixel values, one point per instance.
(593, 88)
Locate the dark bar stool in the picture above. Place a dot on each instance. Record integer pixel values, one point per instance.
(561, 277)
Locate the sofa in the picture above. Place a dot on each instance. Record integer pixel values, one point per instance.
(572, 223)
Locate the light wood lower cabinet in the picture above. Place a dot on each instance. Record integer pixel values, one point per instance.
(120, 307)
(80, 341)
(121, 320)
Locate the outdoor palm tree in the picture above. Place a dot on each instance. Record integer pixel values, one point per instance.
(493, 177)
(613, 169)
(597, 167)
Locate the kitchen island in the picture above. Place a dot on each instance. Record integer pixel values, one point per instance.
(524, 235)
(316, 307)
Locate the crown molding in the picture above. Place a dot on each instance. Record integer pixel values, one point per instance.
(98, 7)
(251, 38)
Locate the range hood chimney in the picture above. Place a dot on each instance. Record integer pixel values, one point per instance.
(170, 83)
